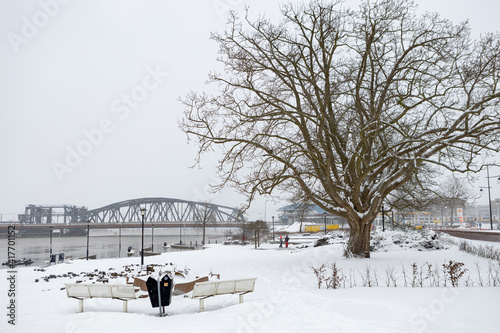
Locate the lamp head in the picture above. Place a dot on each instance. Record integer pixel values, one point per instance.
(143, 211)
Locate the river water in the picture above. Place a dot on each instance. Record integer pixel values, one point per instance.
(108, 243)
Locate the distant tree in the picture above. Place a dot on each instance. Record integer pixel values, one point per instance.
(303, 209)
(300, 207)
(257, 228)
(347, 106)
(205, 215)
(454, 192)
(418, 194)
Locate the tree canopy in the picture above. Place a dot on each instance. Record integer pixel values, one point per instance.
(345, 106)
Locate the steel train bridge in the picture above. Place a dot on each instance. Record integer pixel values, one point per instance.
(158, 210)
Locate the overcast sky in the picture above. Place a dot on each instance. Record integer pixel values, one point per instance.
(89, 89)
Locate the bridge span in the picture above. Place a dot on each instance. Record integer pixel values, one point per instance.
(157, 210)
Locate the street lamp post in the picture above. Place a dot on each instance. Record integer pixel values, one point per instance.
(88, 233)
(50, 241)
(489, 192)
(143, 212)
(489, 196)
(324, 217)
(273, 226)
(119, 241)
(152, 236)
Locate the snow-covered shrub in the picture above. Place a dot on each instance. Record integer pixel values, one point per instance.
(420, 240)
(486, 251)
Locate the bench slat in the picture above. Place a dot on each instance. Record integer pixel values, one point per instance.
(123, 291)
(244, 286)
(77, 290)
(81, 291)
(204, 289)
(225, 287)
(213, 288)
(100, 291)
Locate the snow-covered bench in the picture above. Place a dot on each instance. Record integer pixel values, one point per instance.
(204, 290)
(82, 291)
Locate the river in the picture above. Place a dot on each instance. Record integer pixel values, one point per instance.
(108, 243)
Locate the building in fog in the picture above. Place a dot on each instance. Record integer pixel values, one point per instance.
(312, 214)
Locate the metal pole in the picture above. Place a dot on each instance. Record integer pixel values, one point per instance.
(159, 294)
(489, 196)
(88, 233)
(50, 240)
(119, 242)
(324, 215)
(142, 246)
(152, 236)
(273, 227)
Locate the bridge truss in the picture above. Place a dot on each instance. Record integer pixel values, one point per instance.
(129, 211)
(163, 210)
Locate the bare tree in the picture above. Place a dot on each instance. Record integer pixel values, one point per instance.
(300, 208)
(455, 192)
(346, 106)
(418, 194)
(258, 228)
(204, 217)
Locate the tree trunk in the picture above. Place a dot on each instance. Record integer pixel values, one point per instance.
(359, 241)
(204, 224)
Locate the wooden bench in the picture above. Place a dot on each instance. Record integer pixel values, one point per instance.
(82, 291)
(204, 290)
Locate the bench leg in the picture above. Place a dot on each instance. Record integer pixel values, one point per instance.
(241, 298)
(125, 304)
(202, 305)
(80, 305)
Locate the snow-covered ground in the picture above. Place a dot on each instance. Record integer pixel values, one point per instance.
(286, 296)
(295, 227)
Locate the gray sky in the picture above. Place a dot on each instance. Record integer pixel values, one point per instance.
(88, 107)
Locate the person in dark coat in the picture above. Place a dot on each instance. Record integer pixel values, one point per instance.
(286, 240)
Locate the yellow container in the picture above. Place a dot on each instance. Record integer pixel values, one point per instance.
(318, 228)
